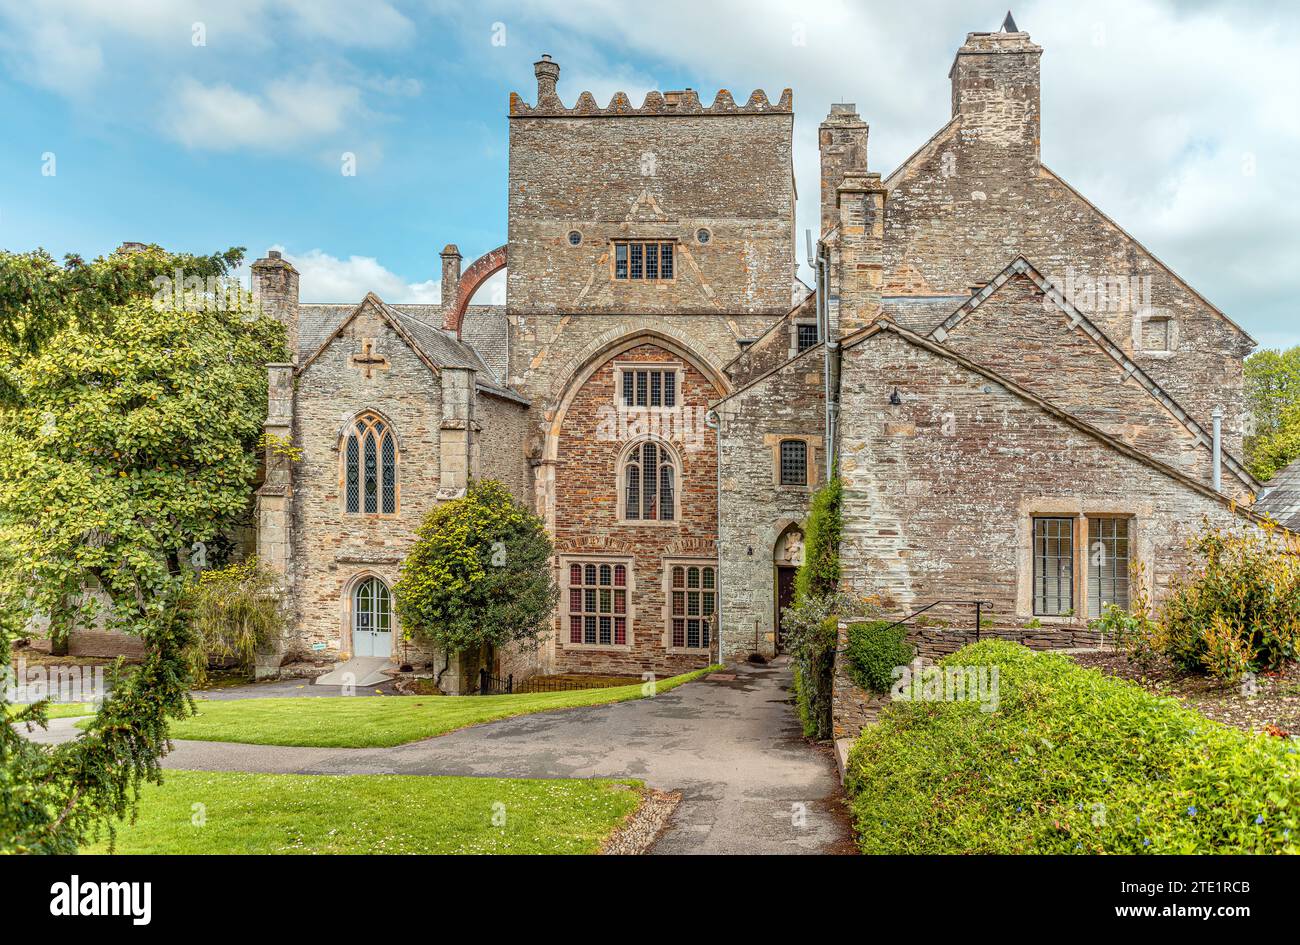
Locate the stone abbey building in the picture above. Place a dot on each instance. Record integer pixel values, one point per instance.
(1021, 399)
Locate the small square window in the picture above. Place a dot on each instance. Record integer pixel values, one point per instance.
(794, 463)
(806, 337)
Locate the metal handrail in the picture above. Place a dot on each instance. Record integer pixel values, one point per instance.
(979, 606)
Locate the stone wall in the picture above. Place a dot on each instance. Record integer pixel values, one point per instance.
(664, 173)
(941, 490)
(500, 444)
(330, 549)
(756, 509)
(975, 195)
(1056, 359)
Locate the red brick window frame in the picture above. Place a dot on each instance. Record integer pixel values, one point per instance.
(596, 604)
(690, 604)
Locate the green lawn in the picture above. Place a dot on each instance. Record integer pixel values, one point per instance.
(233, 812)
(381, 721)
(59, 710)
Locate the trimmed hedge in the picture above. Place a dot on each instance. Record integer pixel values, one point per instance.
(873, 650)
(1070, 762)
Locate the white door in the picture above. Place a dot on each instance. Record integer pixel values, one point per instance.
(372, 619)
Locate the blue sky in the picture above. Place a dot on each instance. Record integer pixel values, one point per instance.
(200, 125)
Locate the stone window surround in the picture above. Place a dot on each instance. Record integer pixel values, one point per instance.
(644, 240)
(676, 367)
(814, 444)
(597, 558)
(1139, 334)
(347, 616)
(1080, 514)
(340, 447)
(794, 333)
(621, 482)
(667, 638)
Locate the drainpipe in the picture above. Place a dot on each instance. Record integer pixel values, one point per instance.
(831, 354)
(1218, 449)
(714, 422)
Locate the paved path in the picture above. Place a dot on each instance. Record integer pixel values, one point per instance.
(749, 781)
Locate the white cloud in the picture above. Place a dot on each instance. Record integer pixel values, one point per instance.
(286, 112)
(350, 23)
(327, 278)
(1151, 108)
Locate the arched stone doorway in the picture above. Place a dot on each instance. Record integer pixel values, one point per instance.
(787, 555)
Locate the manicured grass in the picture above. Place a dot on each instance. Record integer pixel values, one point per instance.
(382, 721)
(234, 812)
(59, 710)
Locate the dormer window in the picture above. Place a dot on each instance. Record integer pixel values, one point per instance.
(643, 260)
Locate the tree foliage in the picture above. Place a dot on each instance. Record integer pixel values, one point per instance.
(235, 614)
(1272, 383)
(127, 442)
(478, 574)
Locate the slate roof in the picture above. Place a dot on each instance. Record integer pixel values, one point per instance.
(422, 324)
(921, 313)
(1282, 498)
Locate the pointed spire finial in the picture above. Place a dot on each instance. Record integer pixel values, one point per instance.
(1009, 24)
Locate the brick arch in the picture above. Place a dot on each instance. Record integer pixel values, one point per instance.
(628, 335)
(611, 345)
(482, 269)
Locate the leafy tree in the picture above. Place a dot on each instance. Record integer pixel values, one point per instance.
(479, 573)
(127, 442)
(39, 297)
(235, 613)
(1272, 383)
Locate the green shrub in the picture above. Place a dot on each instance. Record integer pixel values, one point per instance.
(235, 614)
(874, 649)
(1239, 609)
(1070, 762)
(811, 634)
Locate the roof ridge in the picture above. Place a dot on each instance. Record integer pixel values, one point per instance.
(1020, 265)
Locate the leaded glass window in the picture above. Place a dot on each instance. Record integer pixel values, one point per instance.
(1108, 564)
(597, 609)
(650, 483)
(692, 596)
(643, 260)
(1054, 566)
(649, 387)
(370, 467)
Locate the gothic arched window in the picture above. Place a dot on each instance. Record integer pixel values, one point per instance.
(648, 480)
(370, 466)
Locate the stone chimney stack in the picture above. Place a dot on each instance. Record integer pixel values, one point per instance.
(451, 260)
(995, 90)
(275, 288)
(547, 71)
(842, 141)
(860, 248)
